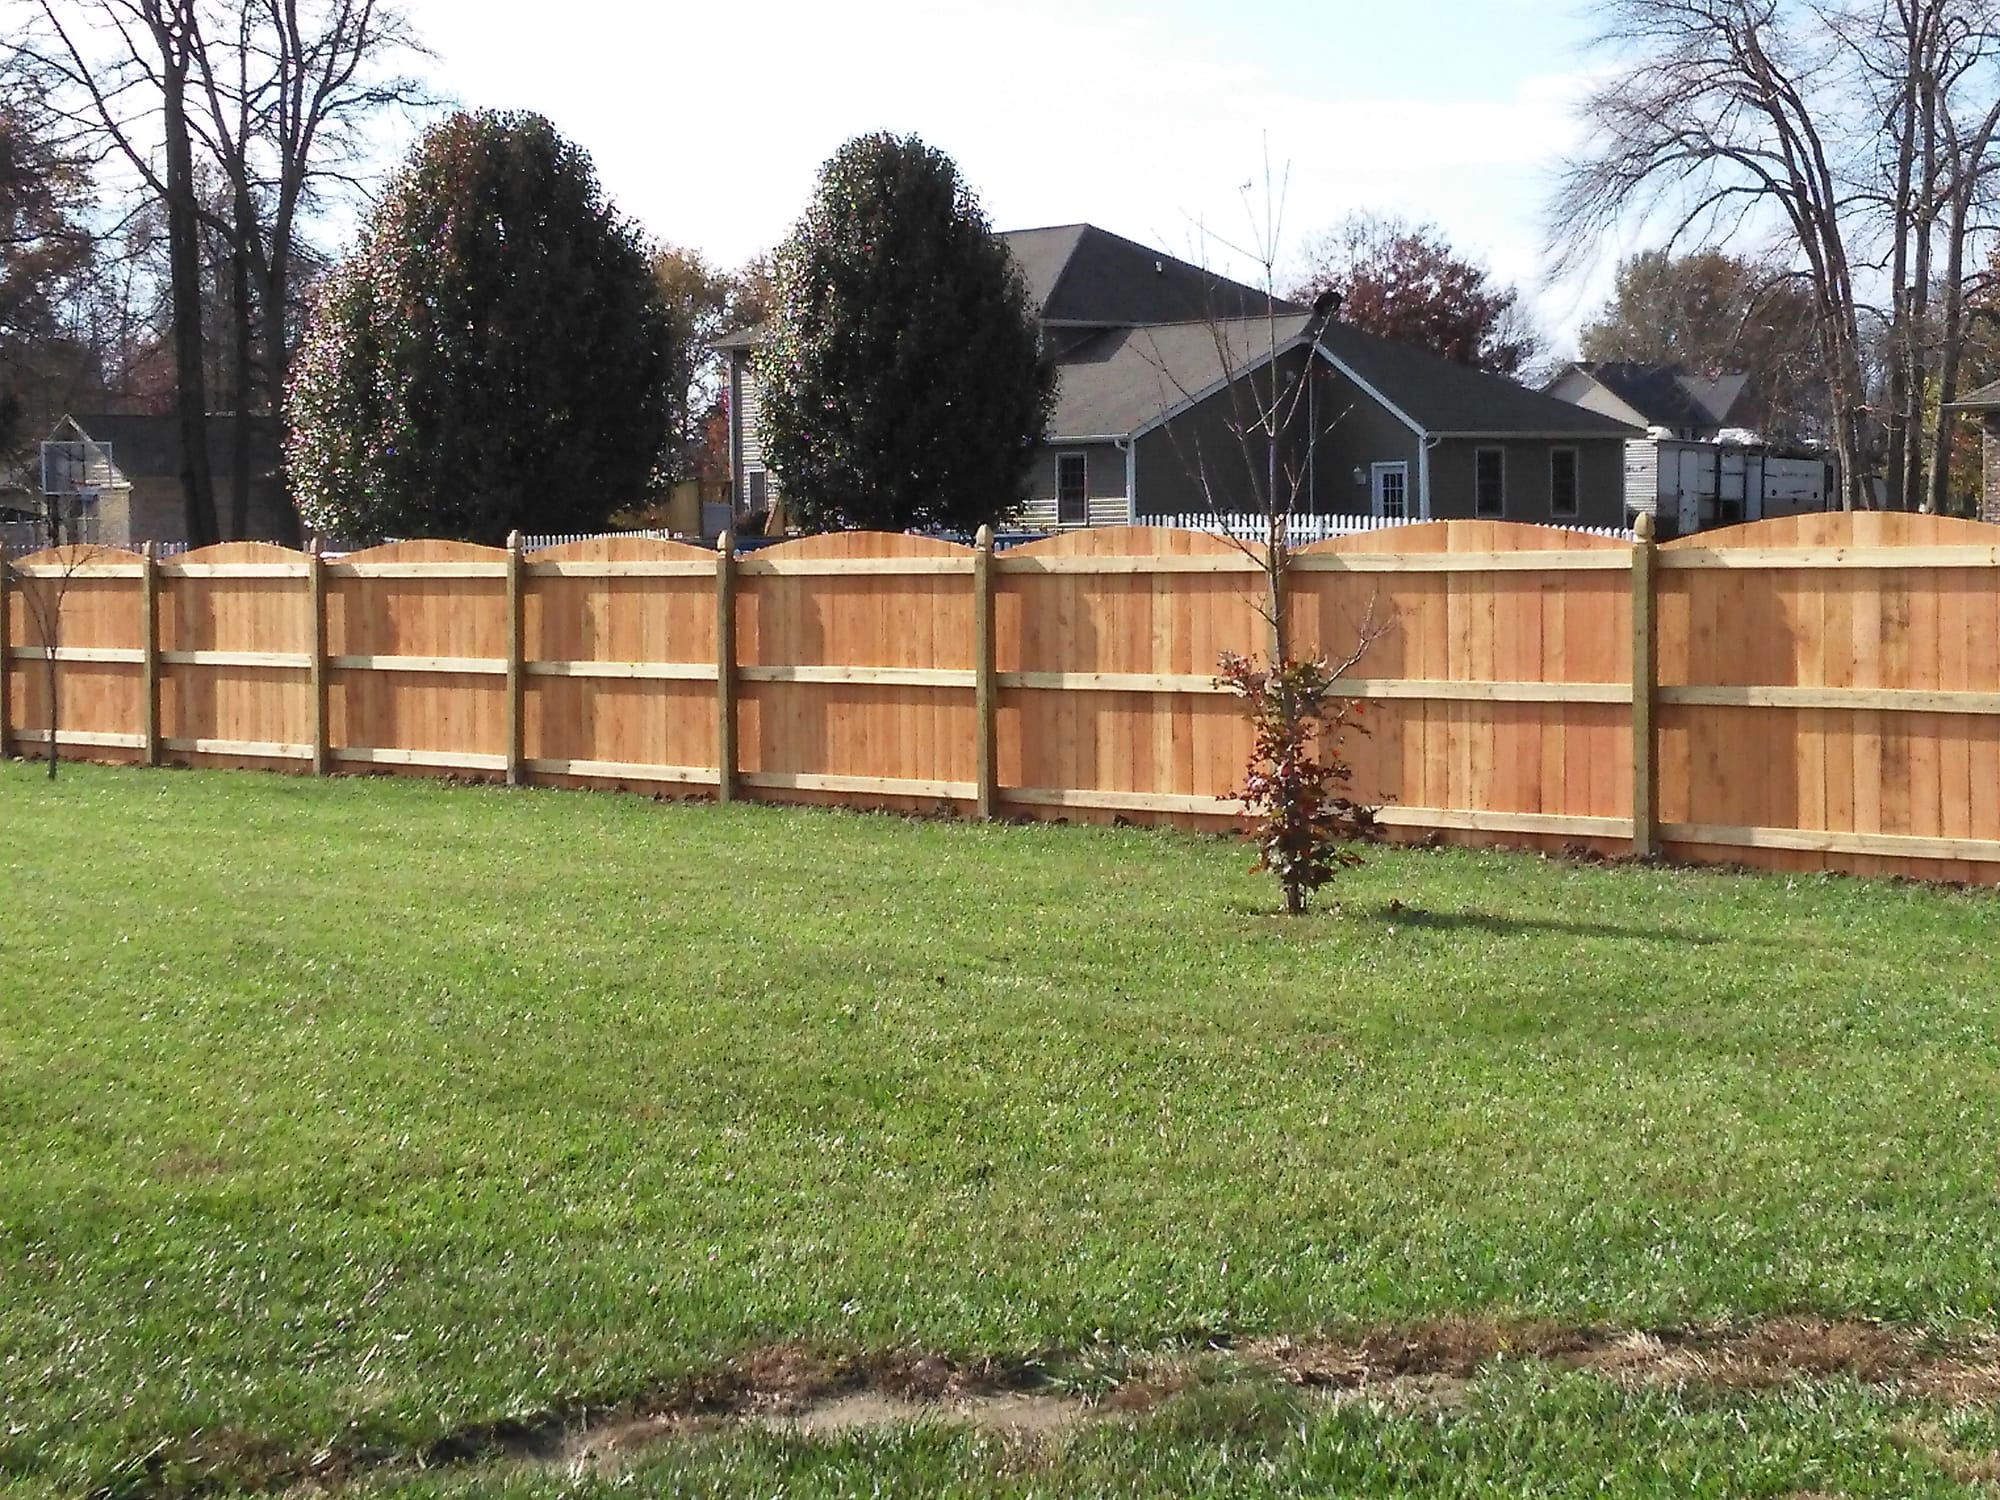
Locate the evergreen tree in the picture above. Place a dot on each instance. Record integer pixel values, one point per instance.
(495, 356)
(903, 383)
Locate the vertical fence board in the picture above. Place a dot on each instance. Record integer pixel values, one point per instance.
(1508, 714)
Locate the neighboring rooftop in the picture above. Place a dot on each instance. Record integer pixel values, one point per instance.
(1078, 274)
(1118, 381)
(1668, 395)
(1986, 398)
(149, 447)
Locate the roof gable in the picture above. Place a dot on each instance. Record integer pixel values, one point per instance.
(1447, 399)
(1115, 383)
(1667, 395)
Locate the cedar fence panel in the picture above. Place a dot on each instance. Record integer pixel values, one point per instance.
(235, 631)
(619, 641)
(854, 654)
(1108, 704)
(1823, 693)
(1828, 695)
(1498, 697)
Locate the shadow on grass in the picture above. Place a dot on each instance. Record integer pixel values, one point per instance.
(1396, 914)
(1413, 918)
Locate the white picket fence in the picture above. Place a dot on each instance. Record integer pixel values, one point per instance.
(560, 539)
(1305, 529)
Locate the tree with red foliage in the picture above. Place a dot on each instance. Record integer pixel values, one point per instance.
(1405, 282)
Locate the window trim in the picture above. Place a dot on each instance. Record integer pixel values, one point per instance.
(1375, 496)
(1478, 509)
(1575, 488)
(1081, 457)
(753, 481)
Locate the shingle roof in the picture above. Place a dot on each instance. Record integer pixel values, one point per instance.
(1666, 395)
(1078, 273)
(1113, 383)
(149, 447)
(1986, 398)
(1454, 400)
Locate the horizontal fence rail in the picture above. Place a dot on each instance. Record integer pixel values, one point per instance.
(1821, 692)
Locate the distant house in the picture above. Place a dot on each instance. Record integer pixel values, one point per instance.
(1984, 404)
(1698, 464)
(121, 476)
(1667, 400)
(1158, 359)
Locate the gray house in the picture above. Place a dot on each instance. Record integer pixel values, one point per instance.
(1161, 364)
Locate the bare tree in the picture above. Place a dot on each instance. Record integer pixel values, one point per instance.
(269, 97)
(288, 86)
(124, 67)
(44, 592)
(1860, 135)
(1273, 429)
(1926, 70)
(1304, 820)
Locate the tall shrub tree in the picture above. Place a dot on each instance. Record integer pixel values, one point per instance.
(903, 383)
(495, 356)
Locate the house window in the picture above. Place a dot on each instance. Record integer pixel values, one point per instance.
(1392, 491)
(1072, 489)
(756, 495)
(1489, 482)
(1563, 491)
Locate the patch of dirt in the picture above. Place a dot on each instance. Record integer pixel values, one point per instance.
(1756, 1357)
(798, 1391)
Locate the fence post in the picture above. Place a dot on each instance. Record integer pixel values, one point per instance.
(725, 667)
(516, 731)
(6, 648)
(1645, 683)
(985, 681)
(322, 749)
(149, 607)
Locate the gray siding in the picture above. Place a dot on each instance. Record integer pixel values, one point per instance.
(1356, 432)
(1600, 480)
(1104, 482)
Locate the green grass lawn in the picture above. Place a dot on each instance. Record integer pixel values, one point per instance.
(349, 1114)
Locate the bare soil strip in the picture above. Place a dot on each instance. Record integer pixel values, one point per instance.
(812, 1395)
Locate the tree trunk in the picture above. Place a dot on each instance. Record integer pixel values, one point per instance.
(185, 273)
(274, 289)
(242, 374)
(52, 680)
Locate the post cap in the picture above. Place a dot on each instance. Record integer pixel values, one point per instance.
(1643, 526)
(984, 540)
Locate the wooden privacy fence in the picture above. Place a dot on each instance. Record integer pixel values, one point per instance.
(1819, 692)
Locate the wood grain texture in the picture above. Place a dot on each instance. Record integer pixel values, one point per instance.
(1828, 686)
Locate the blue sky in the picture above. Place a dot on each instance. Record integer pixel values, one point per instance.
(707, 121)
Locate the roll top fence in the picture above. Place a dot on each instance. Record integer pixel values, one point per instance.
(1819, 692)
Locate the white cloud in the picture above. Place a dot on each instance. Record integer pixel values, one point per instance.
(708, 123)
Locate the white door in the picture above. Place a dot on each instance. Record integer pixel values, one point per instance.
(1391, 488)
